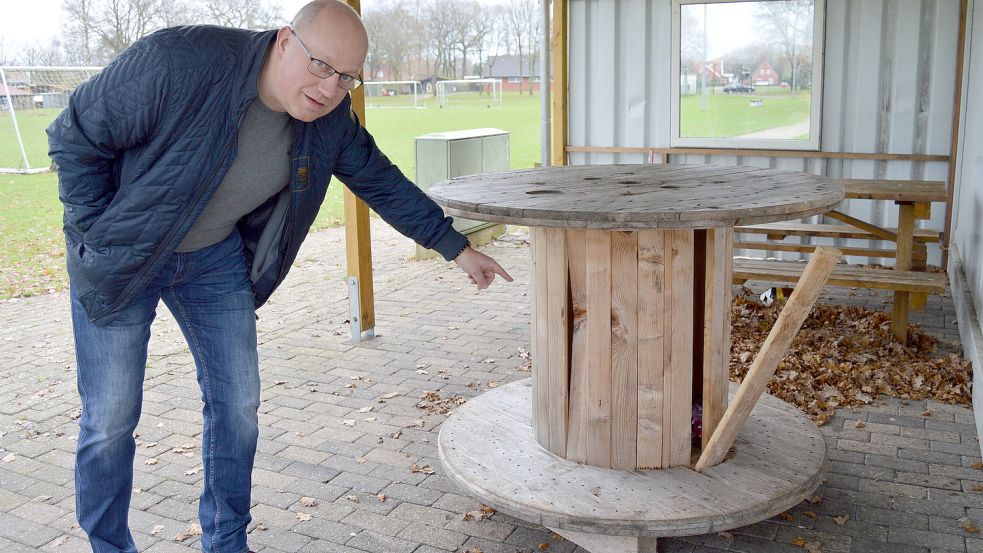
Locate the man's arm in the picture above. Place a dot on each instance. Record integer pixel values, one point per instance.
(108, 114)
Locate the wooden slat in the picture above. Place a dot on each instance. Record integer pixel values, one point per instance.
(827, 231)
(716, 328)
(557, 326)
(919, 254)
(878, 232)
(843, 275)
(624, 352)
(578, 421)
(651, 336)
(540, 334)
(896, 190)
(899, 313)
(766, 361)
(679, 364)
(599, 347)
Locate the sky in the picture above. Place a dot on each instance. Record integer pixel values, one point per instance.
(24, 23)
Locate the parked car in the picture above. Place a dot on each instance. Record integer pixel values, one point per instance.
(738, 88)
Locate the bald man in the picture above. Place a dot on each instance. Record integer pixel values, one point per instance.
(191, 170)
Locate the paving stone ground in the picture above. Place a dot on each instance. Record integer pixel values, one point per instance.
(903, 483)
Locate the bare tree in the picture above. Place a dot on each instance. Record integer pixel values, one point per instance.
(791, 23)
(439, 28)
(244, 14)
(37, 54)
(521, 16)
(5, 57)
(101, 29)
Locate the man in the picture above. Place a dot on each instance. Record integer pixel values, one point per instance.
(190, 170)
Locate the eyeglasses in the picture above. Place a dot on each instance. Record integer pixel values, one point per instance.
(322, 70)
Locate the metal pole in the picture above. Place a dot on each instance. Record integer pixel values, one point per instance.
(13, 117)
(544, 82)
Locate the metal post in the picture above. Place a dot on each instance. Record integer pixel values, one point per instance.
(355, 312)
(544, 82)
(13, 117)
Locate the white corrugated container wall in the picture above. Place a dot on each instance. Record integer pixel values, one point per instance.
(888, 79)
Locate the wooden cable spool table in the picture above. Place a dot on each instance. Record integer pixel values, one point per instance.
(631, 301)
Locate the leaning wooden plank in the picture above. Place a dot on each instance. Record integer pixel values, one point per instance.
(766, 361)
(540, 334)
(558, 330)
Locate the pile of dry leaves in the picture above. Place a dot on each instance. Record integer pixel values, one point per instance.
(845, 356)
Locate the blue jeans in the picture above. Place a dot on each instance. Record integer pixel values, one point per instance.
(210, 295)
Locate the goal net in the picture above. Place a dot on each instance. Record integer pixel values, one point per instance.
(30, 98)
(469, 93)
(393, 94)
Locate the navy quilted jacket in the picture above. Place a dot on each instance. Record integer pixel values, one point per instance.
(143, 145)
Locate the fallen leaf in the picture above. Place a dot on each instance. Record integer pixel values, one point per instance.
(390, 395)
(352, 498)
(193, 530)
(425, 469)
(8, 458)
(786, 516)
(195, 470)
(303, 517)
(151, 462)
(349, 422)
(365, 409)
(381, 497)
(841, 520)
(859, 424)
(41, 499)
(975, 487)
(810, 514)
(544, 546)
(157, 529)
(308, 502)
(59, 542)
(968, 526)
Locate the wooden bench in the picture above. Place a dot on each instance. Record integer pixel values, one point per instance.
(851, 276)
(910, 281)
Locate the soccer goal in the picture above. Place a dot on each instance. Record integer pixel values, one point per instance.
(30, 98)
(393, 94)
(469, 93)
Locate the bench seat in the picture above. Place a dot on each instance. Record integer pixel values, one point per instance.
(783, 229)
(843, 275)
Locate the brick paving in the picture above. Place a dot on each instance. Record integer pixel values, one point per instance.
(902, 483)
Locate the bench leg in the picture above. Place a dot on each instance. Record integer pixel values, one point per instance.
(906, 236)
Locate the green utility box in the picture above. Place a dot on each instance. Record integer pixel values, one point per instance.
(444, 155)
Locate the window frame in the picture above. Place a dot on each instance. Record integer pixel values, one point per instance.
(815, 108)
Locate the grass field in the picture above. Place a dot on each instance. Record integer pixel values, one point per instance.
(732, 115)
(31, 257)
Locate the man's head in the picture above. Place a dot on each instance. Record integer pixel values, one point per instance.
(332, 33)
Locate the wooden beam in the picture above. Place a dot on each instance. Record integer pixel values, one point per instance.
(770, 355)
(559, 85)
(756, 153)
(358, 242)
(954, 136)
